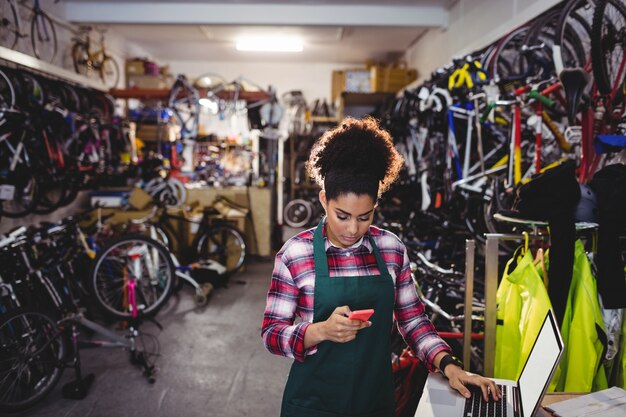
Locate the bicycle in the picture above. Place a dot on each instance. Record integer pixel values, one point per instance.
(42, 32)
(41, 311)
(86, 60)
(215, 240)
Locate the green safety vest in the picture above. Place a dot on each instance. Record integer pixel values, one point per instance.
(583, 333)
(523, 303)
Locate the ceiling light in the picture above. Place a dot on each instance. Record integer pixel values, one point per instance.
(269, 44)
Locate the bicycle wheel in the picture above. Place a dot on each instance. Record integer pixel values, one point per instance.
(20, 193)
(30, 359)
(136, 257)
(506, 62)
(43, 37)
(170, 192)
(80, 58)
(109, 72)
(298, 213)
(7, 92)
(608, 40)
(53, 188)
(9, 25)
(224, 244)
(573, 33)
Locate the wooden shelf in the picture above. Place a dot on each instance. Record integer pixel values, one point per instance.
(163, 94)
(35, 64)
(324, 119)
(141, 93)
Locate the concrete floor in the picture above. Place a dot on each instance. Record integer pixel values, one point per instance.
(213, 362)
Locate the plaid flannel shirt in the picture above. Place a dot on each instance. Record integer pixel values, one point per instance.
(292, 289)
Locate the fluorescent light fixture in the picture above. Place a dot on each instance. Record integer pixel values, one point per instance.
(270, 44)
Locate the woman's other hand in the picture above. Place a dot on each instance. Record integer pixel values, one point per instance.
(460, 379)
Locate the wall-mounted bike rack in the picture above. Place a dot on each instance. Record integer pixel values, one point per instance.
(38, 65)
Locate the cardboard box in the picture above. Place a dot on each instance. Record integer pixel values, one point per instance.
(390, 79)
(134, 67)
(351, 80)
(158, 82)
(150, 133)
(107, 198)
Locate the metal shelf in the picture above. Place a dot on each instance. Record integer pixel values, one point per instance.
(33, 63)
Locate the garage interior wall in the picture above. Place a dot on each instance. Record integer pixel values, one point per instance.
(473, 24)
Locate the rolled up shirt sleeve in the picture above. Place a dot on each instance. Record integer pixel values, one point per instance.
(281, 336)
(413, 323)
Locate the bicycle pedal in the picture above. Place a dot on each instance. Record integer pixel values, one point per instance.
(78, 389)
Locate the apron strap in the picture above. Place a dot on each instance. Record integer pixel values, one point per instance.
(321, 260)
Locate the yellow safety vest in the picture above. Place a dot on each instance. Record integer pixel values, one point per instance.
(523, 303)
(582, 329)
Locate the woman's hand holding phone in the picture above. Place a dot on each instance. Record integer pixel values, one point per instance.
(340, 328)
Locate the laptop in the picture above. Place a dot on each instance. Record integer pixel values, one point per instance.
(521, 398)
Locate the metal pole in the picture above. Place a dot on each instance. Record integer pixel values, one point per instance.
(470, 248)
(491, 285)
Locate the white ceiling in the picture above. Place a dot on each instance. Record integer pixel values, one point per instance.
(332, 31)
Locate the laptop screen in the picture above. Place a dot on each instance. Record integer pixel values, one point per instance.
(540, 365)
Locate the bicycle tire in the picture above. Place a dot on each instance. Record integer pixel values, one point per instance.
(224, 244)
(108, 275)
(573, 33)
(26, 195)
(506, 61)
(298, 213)
(7, 92)
(41, 23)
(35, 353)
(109, 72)
(542, 31)
(9, 26)
(80, 59)
(605, 44)
(53, 192)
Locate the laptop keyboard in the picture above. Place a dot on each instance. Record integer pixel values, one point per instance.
(476, 406)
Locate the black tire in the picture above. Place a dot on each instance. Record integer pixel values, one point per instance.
(7, 92)
(26, 194)
(573, 33)
(110, 272)
(53, 191)
(43, 37)
(224, 244)
(30, 364)
(608, 44)
(80, 59)
(109, 72)
(298, 212)
(506, 62)
(9, 25)
(542, 32)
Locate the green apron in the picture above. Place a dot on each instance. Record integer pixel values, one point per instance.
(346, 379)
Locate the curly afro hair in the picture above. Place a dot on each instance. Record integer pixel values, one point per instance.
(355, 157)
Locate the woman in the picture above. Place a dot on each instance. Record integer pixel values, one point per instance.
(342, 367)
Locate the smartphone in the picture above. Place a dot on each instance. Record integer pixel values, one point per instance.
(362, 315)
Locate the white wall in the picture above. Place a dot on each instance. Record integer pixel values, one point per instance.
(65, 31)
(313, 79)
(473, 24)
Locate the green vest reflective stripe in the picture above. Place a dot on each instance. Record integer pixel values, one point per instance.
(346, 379)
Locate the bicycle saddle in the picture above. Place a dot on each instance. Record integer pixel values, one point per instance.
(574, 82)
